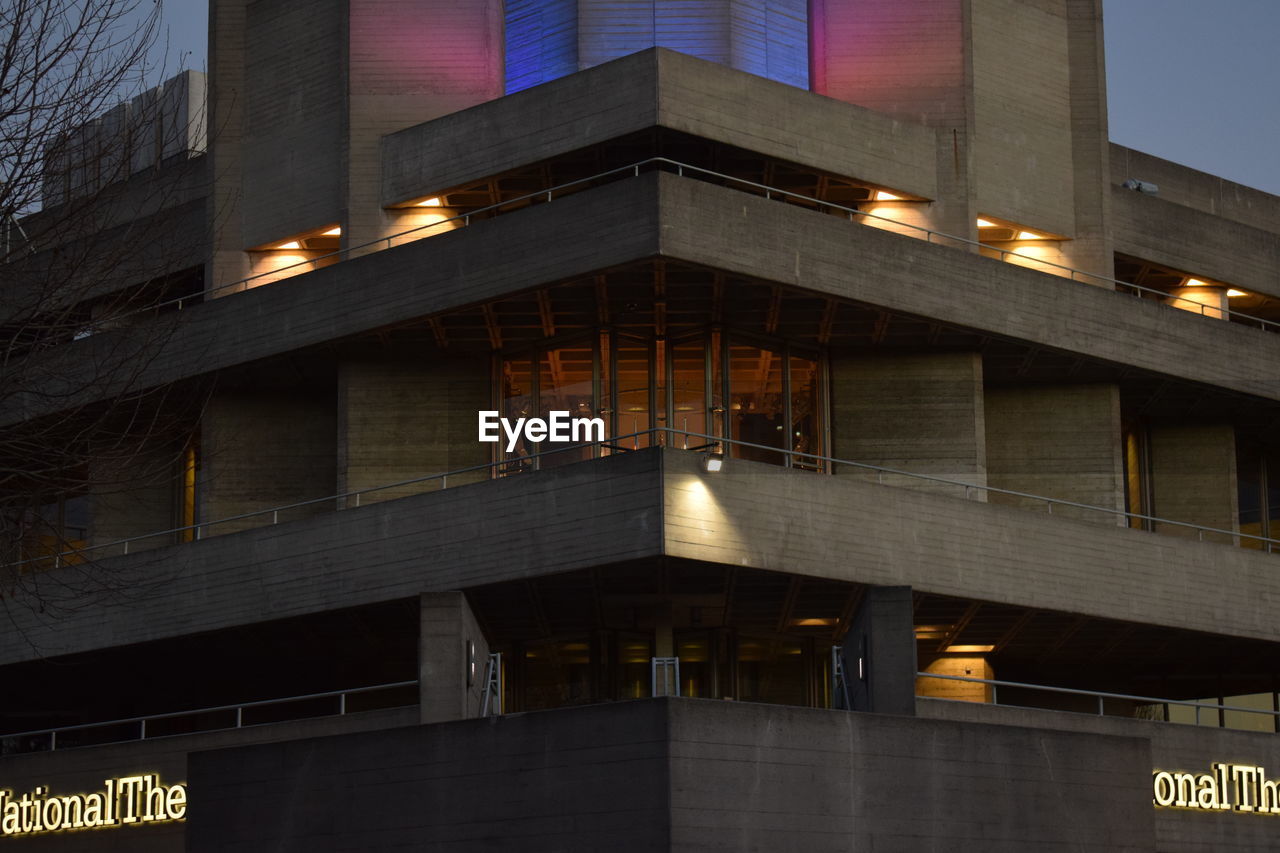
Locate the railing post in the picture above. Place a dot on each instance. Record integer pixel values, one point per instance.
(142, 730)
(995, 694)
(342, 704)
(239, 718)
(1102, 710)
(53, 741)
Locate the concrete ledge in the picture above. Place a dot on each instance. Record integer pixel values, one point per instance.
(657, 88)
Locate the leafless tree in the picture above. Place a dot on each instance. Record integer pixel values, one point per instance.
(100, 205)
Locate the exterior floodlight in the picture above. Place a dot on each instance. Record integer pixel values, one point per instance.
(1144, 187)
(712, 462)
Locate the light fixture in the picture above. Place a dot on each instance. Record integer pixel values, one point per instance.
(434, 201)
(815, 622)
(1234, 292)
(1195, 282)
(335, 231)
(292, 244)
(881, 195)
(1029, 235)
(712, 462)
(962, 649)
(985, 223)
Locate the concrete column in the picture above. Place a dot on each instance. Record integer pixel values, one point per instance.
(918, 413)
(452, 653)
(880, 654)
(1060, 442)
(262, 451)
(1193, 478)
(401, 421)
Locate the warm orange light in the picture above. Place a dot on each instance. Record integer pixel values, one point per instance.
(962, 649)
(434, 201)
(881, 195)
(984, 223)
(1195, 282)
(332, 232)
(816, 622)
(1029, 235)
(1234, 292)
(292, 244)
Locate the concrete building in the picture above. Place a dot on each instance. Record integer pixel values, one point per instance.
(937, 502)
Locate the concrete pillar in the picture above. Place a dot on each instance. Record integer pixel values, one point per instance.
(452, 653)
(265, 450)
(919, 413)
(1057, 441)
(407, 420)
(880, 654)
(1193, 478)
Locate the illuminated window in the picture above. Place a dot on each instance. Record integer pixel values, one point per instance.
(703, 387)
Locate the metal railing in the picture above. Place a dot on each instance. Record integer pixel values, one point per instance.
(1101, 698)
(664, 436)
(136, 728)
(929, 235)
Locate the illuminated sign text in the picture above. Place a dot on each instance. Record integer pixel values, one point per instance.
(123, 800)
(1228, 787)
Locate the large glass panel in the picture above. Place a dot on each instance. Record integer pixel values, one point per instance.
(557, 673)
(1135, 479)
(756, 413)
(689, 392)
(634, 654)
(774, 670)
(696, 651)
(634, 386)
(517, 402)
(806, 421)
(1249, 469)
(566, 383)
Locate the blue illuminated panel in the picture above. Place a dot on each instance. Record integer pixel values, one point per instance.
(547, 39)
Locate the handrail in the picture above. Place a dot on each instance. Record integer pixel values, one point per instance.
(239, 708)
(680, 169)
(1098, 694)
(613, 444)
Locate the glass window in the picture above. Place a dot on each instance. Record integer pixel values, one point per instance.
(756, 414)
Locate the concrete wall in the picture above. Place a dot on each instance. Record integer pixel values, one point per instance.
(453, 653)
(703, 224)
(402, 421)
(918, 413)
(1060, 442)
(906, 58)
(1193, 478)
(262, 451)
(1173, 747)
(1196, 241)
(73, 771)
(295, 82)
(141, 498)
(657, 88)
(409, 61)
(681, 775)
(1198, 190)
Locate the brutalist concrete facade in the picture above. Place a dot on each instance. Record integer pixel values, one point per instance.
(986, 413)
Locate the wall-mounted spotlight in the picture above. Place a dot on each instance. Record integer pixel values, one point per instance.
(1144, 187)
(712, 462)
